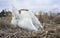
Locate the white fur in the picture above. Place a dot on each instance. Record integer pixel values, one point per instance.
(25, 20)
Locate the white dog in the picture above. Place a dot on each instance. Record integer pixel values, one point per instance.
(26, 20)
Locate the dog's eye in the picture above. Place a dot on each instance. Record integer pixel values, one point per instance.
(16, 18)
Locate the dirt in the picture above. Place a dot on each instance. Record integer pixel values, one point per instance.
(49, 31)
(9, 31)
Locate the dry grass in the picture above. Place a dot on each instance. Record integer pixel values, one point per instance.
(9, 31)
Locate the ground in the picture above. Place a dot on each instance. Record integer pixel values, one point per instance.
(9, 31)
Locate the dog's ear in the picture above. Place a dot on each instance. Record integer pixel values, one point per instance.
(14, 11)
